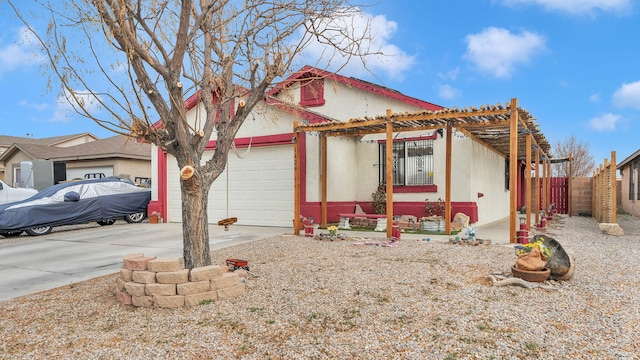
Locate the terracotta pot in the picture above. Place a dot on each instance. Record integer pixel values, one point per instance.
(533, 276)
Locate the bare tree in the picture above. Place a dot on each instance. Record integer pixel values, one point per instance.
(582, 160)
(127, 63)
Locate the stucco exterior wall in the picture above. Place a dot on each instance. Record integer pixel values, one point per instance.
(631, 206)
(76, 141)
(121, 167)
(487, 177)
(341, 169)
(343, 102)
(13, 163)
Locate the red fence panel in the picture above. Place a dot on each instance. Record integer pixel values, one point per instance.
(560, 194)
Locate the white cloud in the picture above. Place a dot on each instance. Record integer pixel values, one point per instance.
(594, 98)
(24, 51)
(450, 75)
(606, 122)
(67, 104)
(376, 32)
(449, 92)
(497, 51)
(577, 7)
(628, 95)
(28, 105)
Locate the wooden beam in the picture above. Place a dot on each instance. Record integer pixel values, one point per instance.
(389, 173)
(447, 194)
(513, 171)
(323, 178)
(441, 115)
(297, 224)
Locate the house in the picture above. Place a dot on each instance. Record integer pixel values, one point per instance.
(75, 156)
(258, 184)
(57, 141)
(630, 183)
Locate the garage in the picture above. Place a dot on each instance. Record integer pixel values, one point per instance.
(256, 187)
(79, 173)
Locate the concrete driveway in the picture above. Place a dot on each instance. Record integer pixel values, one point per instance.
(32, 264)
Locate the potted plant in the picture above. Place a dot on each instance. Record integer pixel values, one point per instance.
(532, 261)
(434, 221)
(379, 200)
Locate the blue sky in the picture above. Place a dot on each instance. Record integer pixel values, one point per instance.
(572, 63)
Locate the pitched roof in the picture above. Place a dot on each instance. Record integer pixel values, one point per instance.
(629, 159)
(307, 70)
(118, 146)
(7, 140)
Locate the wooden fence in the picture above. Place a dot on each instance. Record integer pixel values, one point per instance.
(603, 199)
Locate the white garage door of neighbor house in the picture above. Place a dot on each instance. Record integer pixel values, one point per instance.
(260, 188)
(80, 172)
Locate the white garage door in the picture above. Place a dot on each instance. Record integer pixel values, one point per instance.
(80, 172)
(260, 188)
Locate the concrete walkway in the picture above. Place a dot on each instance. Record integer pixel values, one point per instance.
(33, 264)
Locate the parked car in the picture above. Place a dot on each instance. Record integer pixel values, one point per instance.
(77, 202)
(10, 194)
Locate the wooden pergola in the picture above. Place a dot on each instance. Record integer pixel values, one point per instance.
(512, 134)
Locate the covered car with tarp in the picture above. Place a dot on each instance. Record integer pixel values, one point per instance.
(78, 202)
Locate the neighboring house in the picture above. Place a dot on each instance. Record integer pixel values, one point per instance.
(57, 141)
(630, 183)
(258, 183)
(74, 156)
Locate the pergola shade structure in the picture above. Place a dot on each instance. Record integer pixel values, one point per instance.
(515, 135)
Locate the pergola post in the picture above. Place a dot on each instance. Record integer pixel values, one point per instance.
(513, 169)
(537, 187)
(323, 178)
(527, 180)
(447, 196)
(389, 172)
(614, 185)
(570, 185)
(297, 223)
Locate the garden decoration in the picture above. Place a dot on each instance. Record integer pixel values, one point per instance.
(532, 261)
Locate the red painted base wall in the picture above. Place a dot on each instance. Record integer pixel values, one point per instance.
(418, 209)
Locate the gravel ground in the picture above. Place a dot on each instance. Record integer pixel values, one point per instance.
(336, 300)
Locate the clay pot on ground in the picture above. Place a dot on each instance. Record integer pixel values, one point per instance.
(532, 276)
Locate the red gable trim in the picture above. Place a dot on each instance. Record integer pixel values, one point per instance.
(355, 83)
(313, 118)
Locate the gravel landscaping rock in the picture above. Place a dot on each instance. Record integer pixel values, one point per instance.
(316, 299)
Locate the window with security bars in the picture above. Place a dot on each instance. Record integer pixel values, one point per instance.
(412, 163)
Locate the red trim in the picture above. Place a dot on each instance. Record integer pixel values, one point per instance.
(415, 189)
(160, 205)
(312, 92)
(313, 118)
(416, 208)
(257, 141)
(354, 83)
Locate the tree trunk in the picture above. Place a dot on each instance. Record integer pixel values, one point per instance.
(195, 226)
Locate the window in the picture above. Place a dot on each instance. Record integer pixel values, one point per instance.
(638, 181)
(17, 177)
(312, 92)
(412, 162)
(631, 182)
(507, 179)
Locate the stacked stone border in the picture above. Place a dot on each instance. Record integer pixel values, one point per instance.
(147, 281)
